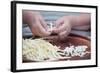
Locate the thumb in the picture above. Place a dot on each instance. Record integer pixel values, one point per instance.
(59, 22)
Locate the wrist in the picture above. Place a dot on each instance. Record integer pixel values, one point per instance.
(69, 20)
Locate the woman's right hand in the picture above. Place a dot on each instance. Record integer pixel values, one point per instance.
(36, 23)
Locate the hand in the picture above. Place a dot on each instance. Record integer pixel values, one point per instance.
(36, 23)
(62, 27)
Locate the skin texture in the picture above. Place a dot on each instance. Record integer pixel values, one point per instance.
(63, 25)
(66, 23)
(36, 23)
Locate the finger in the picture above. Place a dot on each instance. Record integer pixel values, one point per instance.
(42, 30)
(63, 35)
(38, 29)
(60, 29)
(44, 24)
(34, 28)
(58, 22)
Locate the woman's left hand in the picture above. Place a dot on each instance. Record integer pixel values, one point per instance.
(62, 27)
